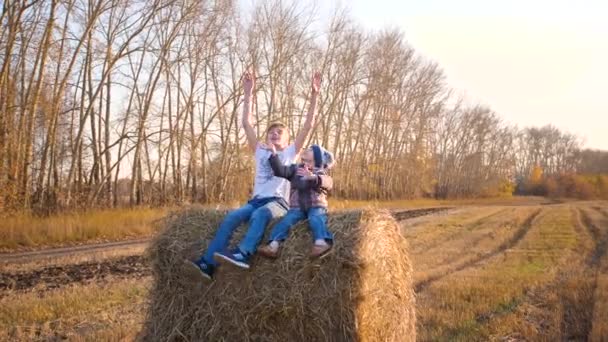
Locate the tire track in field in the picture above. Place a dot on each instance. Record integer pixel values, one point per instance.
(602, 210)
(593, 261)
(53, 277)
(576, 283)
(600, 239)
(401, 215)
(467, 228)
(510, 243)
(573, 286)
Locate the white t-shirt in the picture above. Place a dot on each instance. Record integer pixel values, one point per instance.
(265, 183)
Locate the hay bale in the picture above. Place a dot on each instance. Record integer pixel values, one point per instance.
(362, 291)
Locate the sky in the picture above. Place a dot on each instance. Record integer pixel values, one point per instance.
(534, 62)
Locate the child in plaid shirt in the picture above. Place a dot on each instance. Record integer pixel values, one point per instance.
(310, 185)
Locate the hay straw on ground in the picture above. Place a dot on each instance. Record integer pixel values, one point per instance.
(360, 292)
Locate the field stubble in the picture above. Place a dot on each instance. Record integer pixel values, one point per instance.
(532, 273)
(482, 273)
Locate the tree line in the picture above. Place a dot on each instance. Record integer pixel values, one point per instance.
(127, 102)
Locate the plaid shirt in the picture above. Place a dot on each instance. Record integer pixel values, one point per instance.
(305, 193)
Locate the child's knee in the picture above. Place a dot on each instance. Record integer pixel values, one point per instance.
(261, 214)
(319, 219)
(233, 218)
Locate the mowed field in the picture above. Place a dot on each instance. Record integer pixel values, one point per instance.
(484, 272)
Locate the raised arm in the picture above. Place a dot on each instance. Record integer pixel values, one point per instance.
(309, 180)
(279, 169)
(248, 85)
(312, 112)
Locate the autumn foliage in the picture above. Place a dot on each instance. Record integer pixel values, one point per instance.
(566, 185)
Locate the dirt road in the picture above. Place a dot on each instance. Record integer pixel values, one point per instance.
(30, 256)
(43, 254)
(52, 276)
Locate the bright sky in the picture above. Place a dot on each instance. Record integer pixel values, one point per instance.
(534, 62)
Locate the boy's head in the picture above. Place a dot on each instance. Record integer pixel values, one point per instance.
(316, 157)
(278, 135)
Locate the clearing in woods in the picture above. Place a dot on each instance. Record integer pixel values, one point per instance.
(524, 272)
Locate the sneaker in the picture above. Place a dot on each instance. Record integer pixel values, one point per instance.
(234, 257)
(269, 252)
(201, 268)
(319, 251)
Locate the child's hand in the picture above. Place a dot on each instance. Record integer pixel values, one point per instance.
(248, 82)
(316, 83)
(268, 147)
(302, 171)
(305, 173)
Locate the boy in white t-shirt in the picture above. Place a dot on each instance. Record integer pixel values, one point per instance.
(270, 193)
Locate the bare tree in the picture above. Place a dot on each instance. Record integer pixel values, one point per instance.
(129, 102)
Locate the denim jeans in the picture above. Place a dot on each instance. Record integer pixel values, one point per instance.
(259, 213)
(317, 222)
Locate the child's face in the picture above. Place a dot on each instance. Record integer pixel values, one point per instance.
(278, 136)
(308, 159)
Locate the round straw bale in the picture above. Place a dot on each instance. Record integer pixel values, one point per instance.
(362, 291)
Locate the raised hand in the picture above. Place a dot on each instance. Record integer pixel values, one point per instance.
(248, 82)
(268, 147)
(305, 173)
(316, 83)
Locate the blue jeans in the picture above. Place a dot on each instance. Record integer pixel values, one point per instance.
(317, 222)
(259, 213)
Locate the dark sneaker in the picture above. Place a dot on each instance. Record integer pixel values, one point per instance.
(234, 257)
(269, 252)
(319, 251)
(201, 268)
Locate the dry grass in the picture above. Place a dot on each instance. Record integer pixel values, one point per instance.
(110, 312)
(600, 310)
(419, 203)
(534, 267)
(494, 286)
(596, 221)
(489, 273)
(362, 291)
(457, 241)
(28, 232)
(431, 233)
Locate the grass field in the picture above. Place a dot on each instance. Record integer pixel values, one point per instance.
(529, 273)
(27, 232)
(525, 272)
(30, 232)
(111, 311)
